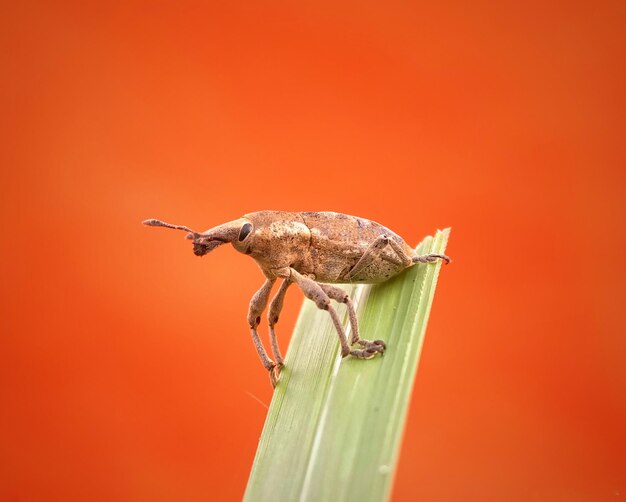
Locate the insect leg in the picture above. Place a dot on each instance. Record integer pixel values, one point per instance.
(341, 296)
(400, 257)
(410, 260)
(257, 306)
(404, 258)
(315, 292)
(368, 256)
(272, 316)
(371, 347)
(428, 258)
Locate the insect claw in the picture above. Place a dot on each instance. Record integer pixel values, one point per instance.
(274, 372)
(369, 350)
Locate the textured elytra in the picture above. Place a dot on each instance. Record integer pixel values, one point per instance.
(323, 245)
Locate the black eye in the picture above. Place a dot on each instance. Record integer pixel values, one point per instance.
(245, 230)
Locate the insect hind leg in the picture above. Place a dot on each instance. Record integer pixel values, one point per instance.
(429, 258)
(407, 260)
(376, 250)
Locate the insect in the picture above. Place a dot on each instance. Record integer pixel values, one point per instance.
(314, 250)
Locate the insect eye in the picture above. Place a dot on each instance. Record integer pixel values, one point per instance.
(245, 230)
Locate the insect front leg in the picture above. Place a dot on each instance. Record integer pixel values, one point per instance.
(272, 316)
(371, 348)
(257, 306)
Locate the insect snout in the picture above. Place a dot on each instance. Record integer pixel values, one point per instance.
(203, 245)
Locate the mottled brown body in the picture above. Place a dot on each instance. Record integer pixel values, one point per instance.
(313, 250)
(323, 245)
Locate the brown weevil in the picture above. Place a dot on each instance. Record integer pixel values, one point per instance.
(314, 250)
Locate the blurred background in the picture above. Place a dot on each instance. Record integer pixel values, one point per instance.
(126, 368)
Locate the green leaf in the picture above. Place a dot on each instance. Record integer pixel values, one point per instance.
(334, 426)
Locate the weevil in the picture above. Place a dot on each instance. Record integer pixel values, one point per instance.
(314, 250)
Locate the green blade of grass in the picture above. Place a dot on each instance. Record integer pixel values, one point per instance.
(334, 426)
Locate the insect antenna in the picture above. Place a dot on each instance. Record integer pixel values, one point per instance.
(158, 223)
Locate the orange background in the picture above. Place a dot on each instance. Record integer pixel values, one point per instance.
(127, 372)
